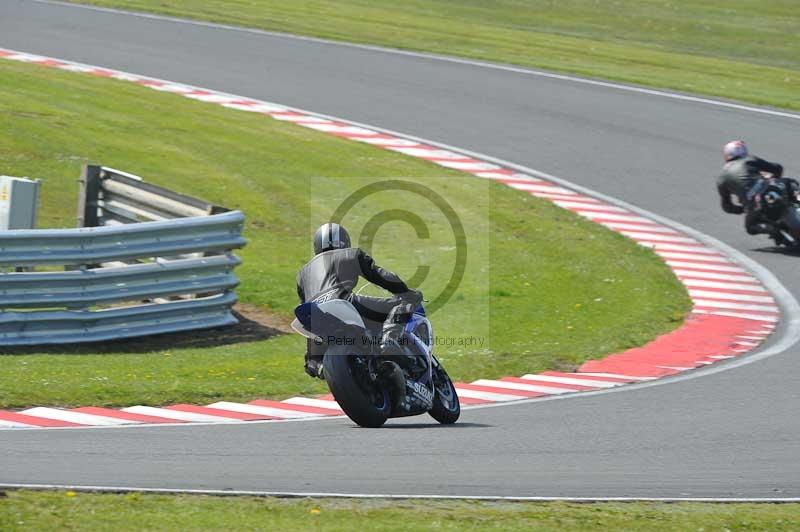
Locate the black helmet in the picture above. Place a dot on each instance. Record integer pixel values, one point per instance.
(330, 236)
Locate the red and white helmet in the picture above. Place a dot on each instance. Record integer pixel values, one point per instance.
(735, 149)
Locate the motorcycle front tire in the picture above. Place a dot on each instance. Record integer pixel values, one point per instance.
(446, 406)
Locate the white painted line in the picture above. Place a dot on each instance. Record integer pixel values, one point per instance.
(487, 396)
(127, 77)
(77, 68)
(339, 495)
(261, 410)
(566, 197)
(735, 306)
(710, 267)
(507, 178)
(539, 187)
(75, 417)
(523, 177)
(615, 217)
(308, 401)
(256, 107)
(662, 246)
(495, 175)
(693, 256)
(178, 414)
(571, 380)
(27, 58)
(689, 275)
(172, 87)
(468, 165)
(725, 286)
(429, 153)
(747, 344)
(618, 376)
(601, 207)
(701, 294)
(211, 98)
(380, 141)
(524, 387)
(299, 118)
(746, 337)
(344, 130)
(621, 226)
(658, 238)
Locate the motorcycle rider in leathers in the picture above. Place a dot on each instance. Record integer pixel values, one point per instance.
(740, 179)
(333, 273)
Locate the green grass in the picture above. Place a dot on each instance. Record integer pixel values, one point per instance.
(739, 49)
(545, 288)
(27, 510)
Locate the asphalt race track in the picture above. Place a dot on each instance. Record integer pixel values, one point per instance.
(733, 433)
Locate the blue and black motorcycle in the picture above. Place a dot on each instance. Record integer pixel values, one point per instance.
(780, 205)
(369, 387)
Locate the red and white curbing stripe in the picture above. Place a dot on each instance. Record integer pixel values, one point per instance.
(733, 313)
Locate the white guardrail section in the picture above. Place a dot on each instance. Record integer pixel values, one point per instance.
(116, 277)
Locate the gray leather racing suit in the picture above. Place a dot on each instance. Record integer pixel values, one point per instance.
(334, 274)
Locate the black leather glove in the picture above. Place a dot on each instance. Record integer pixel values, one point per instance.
(412, 296)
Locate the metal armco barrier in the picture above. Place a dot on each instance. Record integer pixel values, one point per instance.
(215, 233)
(121, 278)
(112, 197)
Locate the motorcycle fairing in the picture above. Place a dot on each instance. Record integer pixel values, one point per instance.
(320, 319)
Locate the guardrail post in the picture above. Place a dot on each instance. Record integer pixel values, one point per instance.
(89, 195)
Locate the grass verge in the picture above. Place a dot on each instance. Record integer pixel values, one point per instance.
(27, 510)
(741, 49)
(545, 288)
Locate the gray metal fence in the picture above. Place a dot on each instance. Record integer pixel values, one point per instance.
(112, 197)
(119, 277)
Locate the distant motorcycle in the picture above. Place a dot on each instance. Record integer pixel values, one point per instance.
(369, 387)
(780, 206)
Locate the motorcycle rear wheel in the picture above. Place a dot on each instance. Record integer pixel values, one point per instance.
(361, 399)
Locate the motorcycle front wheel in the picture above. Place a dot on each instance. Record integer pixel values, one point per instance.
(446, 406)
(362, 399)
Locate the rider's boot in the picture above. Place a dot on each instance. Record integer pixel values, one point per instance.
(394, 376)
(391, 349)
(761, 229)
(391, 335)
(313, 366)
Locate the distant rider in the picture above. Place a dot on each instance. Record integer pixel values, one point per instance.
(333, 274)
(739, 180)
